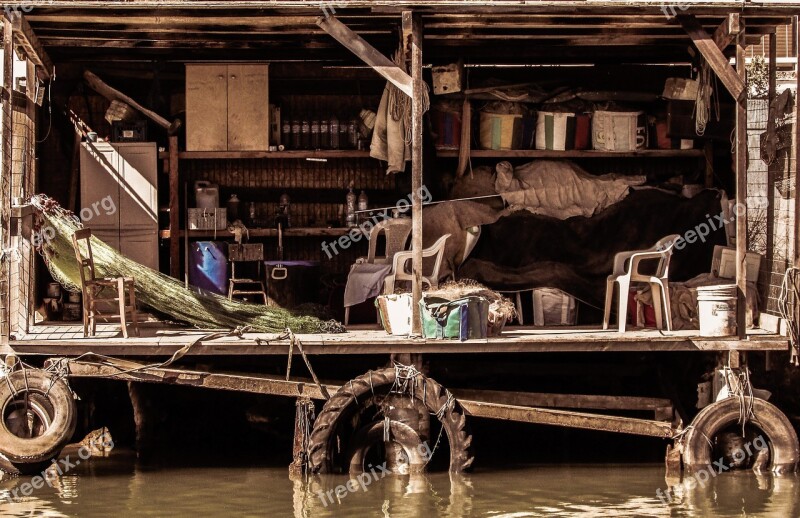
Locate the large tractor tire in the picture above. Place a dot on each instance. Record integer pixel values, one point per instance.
(343, 408)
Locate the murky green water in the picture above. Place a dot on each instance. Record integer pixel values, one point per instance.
(120, 486)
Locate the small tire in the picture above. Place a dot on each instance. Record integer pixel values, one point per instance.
(53, 400)
(713, 419)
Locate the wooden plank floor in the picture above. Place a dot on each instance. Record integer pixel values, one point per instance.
(162, 340)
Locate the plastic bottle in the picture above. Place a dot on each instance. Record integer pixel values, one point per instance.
(296, 143)
(286, 133)
(285, 209)
(363, 204)
(315, 137)
(233, 208)
(305, 134)
(334, 131)
(351, 207)
(324, 134)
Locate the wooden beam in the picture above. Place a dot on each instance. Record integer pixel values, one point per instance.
(174, 210)
(740, 165)
(714, 56)
(573, 401)
(34, 50)
(367, 53)
(412, 26)
(115, 95)
(727, 31)
(124, 370)
(568, 419)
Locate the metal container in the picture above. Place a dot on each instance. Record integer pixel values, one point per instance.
(54, 290)
(208, 219)
(206, 195)
(72, 311)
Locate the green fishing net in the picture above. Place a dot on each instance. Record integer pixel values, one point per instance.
(54, 229)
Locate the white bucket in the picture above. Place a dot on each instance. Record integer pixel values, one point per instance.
(716, 306)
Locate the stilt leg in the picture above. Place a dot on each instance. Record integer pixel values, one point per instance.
(303, 422)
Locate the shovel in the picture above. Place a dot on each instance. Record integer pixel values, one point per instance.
(279, 272)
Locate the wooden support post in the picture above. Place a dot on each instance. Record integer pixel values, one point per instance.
(303, 423)
(732, 81)
(414, 23)
(366, 52)
(708, 152)
(740, 164)
(174, 211)
(5, 171)
(797, 151)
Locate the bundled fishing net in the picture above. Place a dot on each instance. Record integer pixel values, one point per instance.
(56, 225)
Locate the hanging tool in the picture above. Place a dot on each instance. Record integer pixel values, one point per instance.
(279, 272)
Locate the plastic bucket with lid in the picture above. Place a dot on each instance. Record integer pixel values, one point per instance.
(716, 306)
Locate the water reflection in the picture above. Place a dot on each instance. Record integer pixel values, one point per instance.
(123, 486)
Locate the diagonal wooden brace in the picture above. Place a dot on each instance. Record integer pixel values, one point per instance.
(367, 53)
(714, 56)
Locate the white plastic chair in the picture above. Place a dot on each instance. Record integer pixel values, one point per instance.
(401, 259)
(396, 232)
(626, 271)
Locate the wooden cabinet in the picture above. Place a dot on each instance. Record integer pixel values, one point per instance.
(227, 107)
(119, 197)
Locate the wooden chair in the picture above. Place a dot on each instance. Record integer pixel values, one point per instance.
(626, 271)
(401, 260)
(245, 286)
(96, 296)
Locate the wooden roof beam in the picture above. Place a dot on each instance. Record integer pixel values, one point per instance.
(727, 31)
(713, 55)
(29, 42)
(367, 53)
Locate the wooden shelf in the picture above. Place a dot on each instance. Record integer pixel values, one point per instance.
(292, 154)
(538, 153)
(476, 153)
(265, 232)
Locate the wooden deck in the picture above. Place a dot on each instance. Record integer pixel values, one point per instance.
(162, 340)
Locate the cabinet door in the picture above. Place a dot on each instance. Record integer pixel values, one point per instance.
(100, 178)
(140, 245)
(138, 193)
(248, 108)
(206, 108)
(109, 237)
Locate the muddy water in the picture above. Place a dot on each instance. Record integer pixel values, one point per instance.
(121, 486)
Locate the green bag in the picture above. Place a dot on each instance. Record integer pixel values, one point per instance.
(465, 318)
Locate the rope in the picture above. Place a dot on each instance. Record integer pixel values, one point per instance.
(787, 300)
(706, 88)
(400, 103)
(294, 341)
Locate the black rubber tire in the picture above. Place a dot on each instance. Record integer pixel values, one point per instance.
(713, 419)
(47, 445)
(344, 405)
(372, 434)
